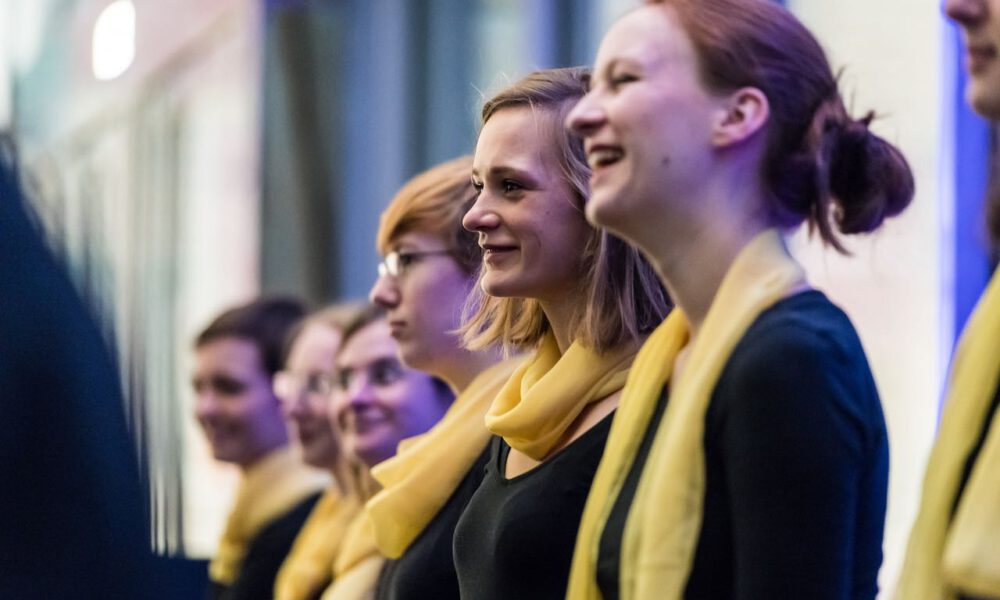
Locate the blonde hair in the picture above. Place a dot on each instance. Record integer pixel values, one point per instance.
(435, 201)
(623, 298)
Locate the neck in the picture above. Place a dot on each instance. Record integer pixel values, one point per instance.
(459, 370)
(263, 453)
(560, 313)
(693, 260)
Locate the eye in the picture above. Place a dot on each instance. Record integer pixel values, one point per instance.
(510, 186)
(477, 186)
(405, 260)
(344, 378)
(228, 386)
(620, 79)
(385, 372)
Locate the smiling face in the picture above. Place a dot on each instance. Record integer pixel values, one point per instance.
(424, 302)
(646, 121)
(234, 402)
(980, 24)
(379, 401)
(310, 364)
(531, 230)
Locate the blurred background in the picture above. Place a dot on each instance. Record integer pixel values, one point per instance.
(185, 155)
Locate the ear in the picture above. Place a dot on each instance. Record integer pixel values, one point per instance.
(744, 113)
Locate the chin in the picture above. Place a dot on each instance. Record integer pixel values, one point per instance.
(503, 287)
(984, 101)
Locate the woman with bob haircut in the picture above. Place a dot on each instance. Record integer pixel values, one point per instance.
(749, 459)
(582, 299)
(430, 263)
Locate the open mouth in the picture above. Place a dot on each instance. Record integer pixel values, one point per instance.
(603, 156)
(497, 250)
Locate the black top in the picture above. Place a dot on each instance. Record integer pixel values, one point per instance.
(264, 556)
(516, 536)
(427, 568)
(72, 508)
(796, 466)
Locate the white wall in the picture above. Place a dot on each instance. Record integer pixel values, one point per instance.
(896, 287)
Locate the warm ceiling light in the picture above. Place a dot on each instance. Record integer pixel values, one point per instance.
(114, 40)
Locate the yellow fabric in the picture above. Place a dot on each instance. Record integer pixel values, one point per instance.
(356, 570)
(418, 481)
(269, 488)
(546, 394)
(945, 558)
(307, 568)
(662, 528)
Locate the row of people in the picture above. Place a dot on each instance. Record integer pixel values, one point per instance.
(682, 414)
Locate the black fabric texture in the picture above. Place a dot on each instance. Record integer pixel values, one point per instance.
(264, 556)
(427, 568)
(796, 466)
(516, 536)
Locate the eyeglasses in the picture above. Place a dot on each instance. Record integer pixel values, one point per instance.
(395, 263)
(289, 386)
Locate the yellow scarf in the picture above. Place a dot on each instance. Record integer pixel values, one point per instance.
(306, 570)
(356, 570)
(269, 488)
(546, 394)
(418, 481)
(665, 519)
(945, 558)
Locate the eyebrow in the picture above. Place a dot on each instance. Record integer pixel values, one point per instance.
(508, 171)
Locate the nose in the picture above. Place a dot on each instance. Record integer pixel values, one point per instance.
(965, 12)
(205, 405)
(384, 292)
(294, 406)
(480, 217)
(585, 118)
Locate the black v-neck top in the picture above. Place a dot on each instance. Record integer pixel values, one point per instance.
(427, 568)
(516, 536)
(796, 457)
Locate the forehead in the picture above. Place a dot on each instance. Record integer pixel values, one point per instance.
(371, 343)
(416, 239)
(317, 340)
(649, 35)
(518, 137)
(231, 354)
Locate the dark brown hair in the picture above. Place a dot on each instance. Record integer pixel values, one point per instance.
(622, 299)
(821, 165)
(265, 322)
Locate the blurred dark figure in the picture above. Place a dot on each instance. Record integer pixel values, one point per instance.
(72, 519)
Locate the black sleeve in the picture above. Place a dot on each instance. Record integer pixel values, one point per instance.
(266, 554)
(792, 424)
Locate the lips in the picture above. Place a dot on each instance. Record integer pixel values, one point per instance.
(600, 156)
(978, 56)
(397, 327)
(494, 252)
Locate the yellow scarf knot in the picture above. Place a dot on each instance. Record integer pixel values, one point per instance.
(546, 394)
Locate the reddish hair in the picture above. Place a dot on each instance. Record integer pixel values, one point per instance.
(820, 165)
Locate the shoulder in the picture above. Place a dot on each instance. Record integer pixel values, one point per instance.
(279, 534)
(800, 357)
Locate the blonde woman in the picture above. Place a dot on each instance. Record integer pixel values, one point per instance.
(582, 300)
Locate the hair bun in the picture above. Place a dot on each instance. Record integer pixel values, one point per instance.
(869, 178)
